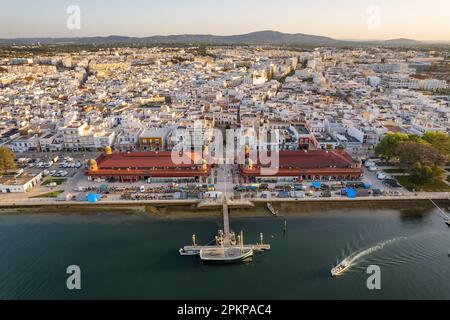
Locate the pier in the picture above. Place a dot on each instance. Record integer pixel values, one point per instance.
(440, 210)
(443, 213)
(226, 240)
(236, 203)
(226, 220)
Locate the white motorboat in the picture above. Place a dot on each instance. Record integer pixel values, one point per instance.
(340, 268)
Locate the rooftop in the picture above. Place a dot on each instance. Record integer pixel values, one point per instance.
(314, 159)
(20, 179)
(144, 160)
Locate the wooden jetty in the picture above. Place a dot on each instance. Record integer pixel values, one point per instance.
(226, 240)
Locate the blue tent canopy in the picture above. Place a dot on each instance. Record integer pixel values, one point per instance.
(316, 184)
(351, 193)
(92, 197)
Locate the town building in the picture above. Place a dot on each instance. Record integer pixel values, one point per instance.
(301, 165)
(19, 182)
(150, 166)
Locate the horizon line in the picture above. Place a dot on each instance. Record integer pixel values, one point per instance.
(218, 35)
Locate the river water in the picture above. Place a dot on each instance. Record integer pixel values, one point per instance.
(134, 256)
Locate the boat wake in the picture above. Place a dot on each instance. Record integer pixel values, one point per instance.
(358, 255)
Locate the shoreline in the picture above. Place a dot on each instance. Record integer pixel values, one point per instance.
(173, 210)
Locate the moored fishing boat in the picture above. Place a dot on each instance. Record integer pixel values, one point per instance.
(225, 254)
(272, 209)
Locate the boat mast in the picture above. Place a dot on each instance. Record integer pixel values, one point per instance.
(223, 246)
(242, 241)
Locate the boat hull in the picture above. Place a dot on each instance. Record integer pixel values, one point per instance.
(215, 257)
(337, 274)
(340, 272)
(272, 209)
(188, 252)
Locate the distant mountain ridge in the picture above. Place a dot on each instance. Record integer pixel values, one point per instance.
(259, 37)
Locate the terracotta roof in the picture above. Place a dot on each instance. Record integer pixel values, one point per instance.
(292, 163)
(314, 159)
(144, 160)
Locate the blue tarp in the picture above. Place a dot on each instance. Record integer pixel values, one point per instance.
(316, 184)
(92, 197)
(351, 193)
(283, 194)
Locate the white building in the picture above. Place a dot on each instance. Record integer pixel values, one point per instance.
(19, 183)
(25, 144)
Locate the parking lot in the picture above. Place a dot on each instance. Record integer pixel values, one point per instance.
(55, 167)
(374, 175)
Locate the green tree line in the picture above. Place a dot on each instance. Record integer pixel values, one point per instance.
(422, 157)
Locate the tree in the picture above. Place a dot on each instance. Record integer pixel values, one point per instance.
(439, 140)
(386, 147)
(421, 157)
(409, 153)
(6, 160)
(423, 174)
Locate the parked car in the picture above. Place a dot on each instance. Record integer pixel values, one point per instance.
(369, 164)
(381, 176)
(392, 183)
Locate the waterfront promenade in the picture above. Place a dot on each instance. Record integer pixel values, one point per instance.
(200, 204)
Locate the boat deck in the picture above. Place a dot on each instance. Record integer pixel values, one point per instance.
(226, 252)
(254, 247)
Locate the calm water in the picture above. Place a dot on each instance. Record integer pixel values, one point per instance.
(136, 257)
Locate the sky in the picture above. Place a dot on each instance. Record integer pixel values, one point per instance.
(340, 19)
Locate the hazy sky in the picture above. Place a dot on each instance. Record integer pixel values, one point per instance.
(342, 19)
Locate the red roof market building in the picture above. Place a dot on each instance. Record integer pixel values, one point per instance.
(152, 165)
(302, 165)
